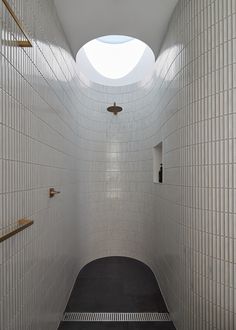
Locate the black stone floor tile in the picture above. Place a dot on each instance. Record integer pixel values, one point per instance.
(93, 325)
(116, 284)
(116, 325)
(150, 326)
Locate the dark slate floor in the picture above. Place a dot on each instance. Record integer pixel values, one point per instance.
(116, 284)
(116, 325)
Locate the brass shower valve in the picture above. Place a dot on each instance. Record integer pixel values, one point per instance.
(53, 192)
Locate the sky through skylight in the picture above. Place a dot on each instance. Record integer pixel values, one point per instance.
(114, 57)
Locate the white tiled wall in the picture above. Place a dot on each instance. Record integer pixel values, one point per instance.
(193, 236)
(184, 228)
(55, 131)
(38, 134)
(115, 173)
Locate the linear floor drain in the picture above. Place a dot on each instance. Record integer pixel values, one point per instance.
(116, 317)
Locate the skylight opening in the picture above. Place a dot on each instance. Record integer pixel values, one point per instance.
(114, 57)
(115, 39)
(115, 60)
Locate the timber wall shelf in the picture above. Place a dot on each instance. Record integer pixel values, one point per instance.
(11, 231)
(18, 43)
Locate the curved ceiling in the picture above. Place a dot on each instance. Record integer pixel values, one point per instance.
(84, 20)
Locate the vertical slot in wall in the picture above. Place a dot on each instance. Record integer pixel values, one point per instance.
(157, 163)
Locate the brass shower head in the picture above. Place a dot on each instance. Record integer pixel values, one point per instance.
(114, 109)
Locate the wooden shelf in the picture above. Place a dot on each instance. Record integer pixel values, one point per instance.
(18, 43)
(21, 225)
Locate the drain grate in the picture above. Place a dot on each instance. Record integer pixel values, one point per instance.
(116, 317)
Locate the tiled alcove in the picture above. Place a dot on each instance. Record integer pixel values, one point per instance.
(157, 152)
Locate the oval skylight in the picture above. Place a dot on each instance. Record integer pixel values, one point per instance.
(115, 39)
(114, 60)
(115, 57)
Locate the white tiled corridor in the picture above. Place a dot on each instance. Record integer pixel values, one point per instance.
(55, 131)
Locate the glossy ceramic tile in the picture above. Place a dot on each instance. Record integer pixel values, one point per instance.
(55, 131)
(184, 227)
(37, 151)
